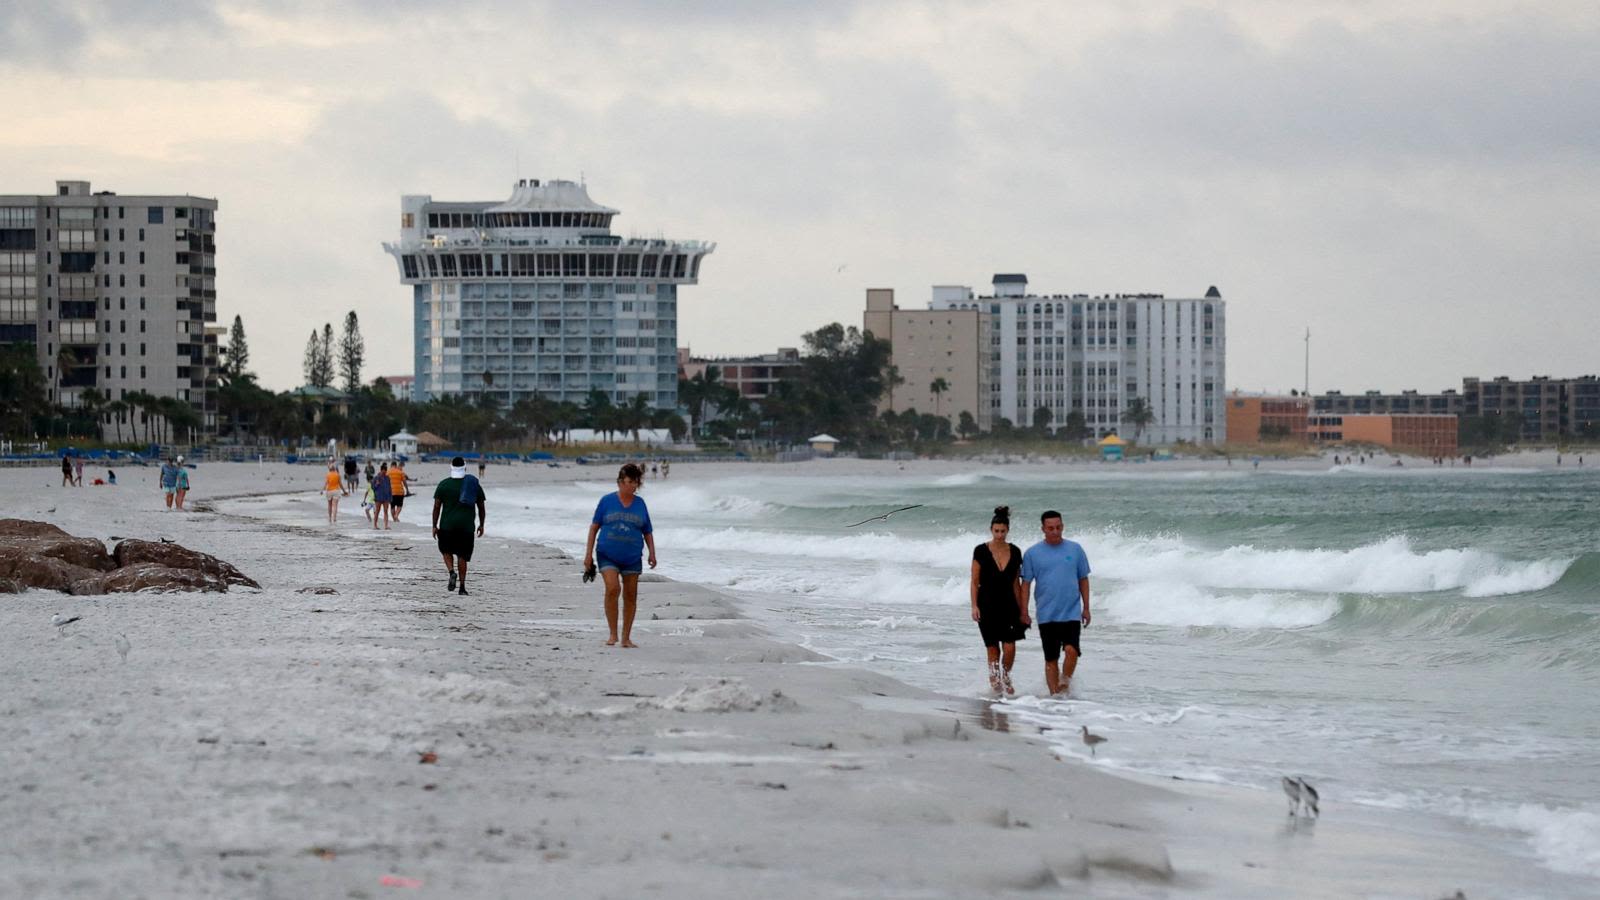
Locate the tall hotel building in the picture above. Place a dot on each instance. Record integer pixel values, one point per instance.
(114, 291)
(1095, 354)
(536, 296)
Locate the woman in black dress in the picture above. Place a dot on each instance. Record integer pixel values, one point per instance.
(999, 600)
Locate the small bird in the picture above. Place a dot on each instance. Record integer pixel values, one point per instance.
(123, 646)
(1092, 740)
(1302, 796)
(885, 516)
(61, 622)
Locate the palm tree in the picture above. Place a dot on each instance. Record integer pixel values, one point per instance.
(636, 414)
(117, 409)
(938, 387)
(1138, 414)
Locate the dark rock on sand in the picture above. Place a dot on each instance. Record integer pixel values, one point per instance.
(40, 555)
(176, 556)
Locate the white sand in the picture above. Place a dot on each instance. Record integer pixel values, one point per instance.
(267, 744)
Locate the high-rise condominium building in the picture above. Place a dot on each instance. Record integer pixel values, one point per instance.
(114, 291)
(535, 295)
(1095, 355)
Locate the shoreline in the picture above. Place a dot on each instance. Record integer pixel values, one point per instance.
(742, 762)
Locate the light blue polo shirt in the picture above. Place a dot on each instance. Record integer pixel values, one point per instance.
(1055, 571)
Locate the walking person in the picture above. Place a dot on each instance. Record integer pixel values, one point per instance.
(181, 488)
(66, 471)
(352, 475)
(169, 480)
(999, 601)
(370, 471)
(1058, 571)
(77, 470)
(382, 493)
(333, 489)
(397, 488)
(453, 503)
(618, 534)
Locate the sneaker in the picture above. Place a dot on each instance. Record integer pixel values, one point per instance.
(452, 585)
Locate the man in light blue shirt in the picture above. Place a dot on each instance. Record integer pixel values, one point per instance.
(1058, 570)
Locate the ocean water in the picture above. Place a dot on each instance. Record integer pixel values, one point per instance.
(1426, 639)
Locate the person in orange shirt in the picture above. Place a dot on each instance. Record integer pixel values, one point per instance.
(397, 487)
(333, 489)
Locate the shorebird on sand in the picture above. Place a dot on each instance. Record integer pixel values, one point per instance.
(1301, 796)
(61, 622)
(1091, 740)
(123, 646)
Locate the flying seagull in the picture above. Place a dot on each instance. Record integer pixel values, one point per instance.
(61, 622)
(1091, 740)
(885, 516)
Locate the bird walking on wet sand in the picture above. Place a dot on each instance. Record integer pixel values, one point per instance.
(61, 622)
(1092, 740)
(885, 516)
(123, 646)
(1302, 796)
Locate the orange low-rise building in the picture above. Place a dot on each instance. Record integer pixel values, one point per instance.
(1428, 435)
(1253, 419)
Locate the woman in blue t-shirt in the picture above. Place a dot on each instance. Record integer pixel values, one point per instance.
(618, 536)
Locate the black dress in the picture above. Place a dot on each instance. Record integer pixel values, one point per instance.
(999, 619)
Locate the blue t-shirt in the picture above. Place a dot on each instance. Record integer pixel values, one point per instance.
(622, 529)
(1054, 572)
(169, 475)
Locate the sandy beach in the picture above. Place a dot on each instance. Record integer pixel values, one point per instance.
(351, 730)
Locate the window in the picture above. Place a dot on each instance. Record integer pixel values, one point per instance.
(155, 216)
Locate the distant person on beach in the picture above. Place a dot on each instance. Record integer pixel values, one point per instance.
(397, 488)
(666, 469)
(454, 501)
(333, 489)
(77, 469)
(382, 495)
(370, 472)
(352, 475)
(1058, 570)
(169, 480)
(368, 503)
(182, 487)
(481, 466)
(999, 601)
(66, 471)
(111, 476)
(618, 535)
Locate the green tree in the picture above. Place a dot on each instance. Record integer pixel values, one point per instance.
(1041, 419)
(967, 426)
(236, 356)
(937, 388)
(1138, 414)
(1074, 427)
(24, 398)
(352, 353)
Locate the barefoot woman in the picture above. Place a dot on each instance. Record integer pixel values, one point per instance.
(618, 534)
(999, 602)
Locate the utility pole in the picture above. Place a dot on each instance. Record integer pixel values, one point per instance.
(1305, 388)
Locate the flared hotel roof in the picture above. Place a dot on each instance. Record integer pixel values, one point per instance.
(551, 196)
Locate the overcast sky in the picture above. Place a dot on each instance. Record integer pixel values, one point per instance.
(1419, 183)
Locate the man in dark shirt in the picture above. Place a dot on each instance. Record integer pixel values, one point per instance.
(453, 503)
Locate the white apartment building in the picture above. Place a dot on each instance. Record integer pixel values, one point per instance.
(1094, 354)
(115, 292)
(535, 295)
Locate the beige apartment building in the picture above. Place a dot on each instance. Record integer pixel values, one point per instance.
(930, 344)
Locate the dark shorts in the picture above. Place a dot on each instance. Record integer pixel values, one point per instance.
(456, 543)
(603, 562)
(397, 501)
(1055, 635)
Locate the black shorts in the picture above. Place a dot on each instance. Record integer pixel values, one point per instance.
(1055, 635)
(397, 501)
(456, 543)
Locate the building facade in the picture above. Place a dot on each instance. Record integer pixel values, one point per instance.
(1550, 408)
(1444, 403)
(535, 295)
(1255, 419)
(1428, 435)
(928, 345)
(754, 377)
(1095, 355)
(115, 292)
